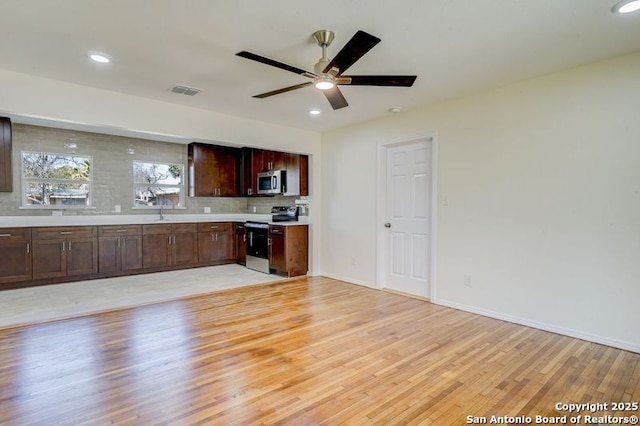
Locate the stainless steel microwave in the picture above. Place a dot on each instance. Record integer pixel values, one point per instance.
(272, 182)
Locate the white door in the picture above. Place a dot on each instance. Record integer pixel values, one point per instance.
(408, 218)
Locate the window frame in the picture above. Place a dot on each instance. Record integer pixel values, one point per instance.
(26, 180)
(182, 186)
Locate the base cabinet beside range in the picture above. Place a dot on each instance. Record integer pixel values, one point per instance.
(215, 243)
(15, 246)
(288, 249)
(64, 251)
(240, 242)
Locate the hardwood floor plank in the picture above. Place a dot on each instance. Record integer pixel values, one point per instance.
(302, 351)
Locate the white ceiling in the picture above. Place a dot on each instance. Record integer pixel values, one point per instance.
(455, 47)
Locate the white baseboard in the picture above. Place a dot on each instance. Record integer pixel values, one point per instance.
(350, 280)
(628, 346)
(542, 326)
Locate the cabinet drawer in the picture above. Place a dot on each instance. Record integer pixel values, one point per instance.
(118, 230)
(276, 230)
(15, 234)
(214, 227)
(156, 229)
(184, 228)
(49, 233)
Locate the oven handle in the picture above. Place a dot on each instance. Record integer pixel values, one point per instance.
(250, 238)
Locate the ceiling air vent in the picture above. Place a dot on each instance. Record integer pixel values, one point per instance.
(185, 90)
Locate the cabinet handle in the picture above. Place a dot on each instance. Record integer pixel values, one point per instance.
(68, 245)
(124, 243)
(118, 242)
(5, 235)
(268, 241)
(66, 232)
(250, 191)
(211, 237)
(169, 239)
(174, 239)
(28, 248)
(62, 245)
(244, 237)
(214, 227)
(121, 230)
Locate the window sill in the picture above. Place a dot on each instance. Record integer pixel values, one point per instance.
(157, 208)
(56, 208)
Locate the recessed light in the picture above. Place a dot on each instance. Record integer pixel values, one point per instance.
(99, 57)
(626, 6)
(71, 145)
(395, 110)
(314, 111)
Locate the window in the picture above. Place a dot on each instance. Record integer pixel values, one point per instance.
(56, 180)
(156, 184)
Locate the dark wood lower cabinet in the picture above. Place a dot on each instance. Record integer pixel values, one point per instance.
(120, 248)
(215, 243)
(15, 246)
(240, 243)
(64, 251)
(47, 255)
(166, 245)
(288, 249)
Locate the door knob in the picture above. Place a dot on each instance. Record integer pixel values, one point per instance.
(387, 225)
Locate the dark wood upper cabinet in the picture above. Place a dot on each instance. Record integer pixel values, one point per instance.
(6, 181)
(256, 160)
(214, 171)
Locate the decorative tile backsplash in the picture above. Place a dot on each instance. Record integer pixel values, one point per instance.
(113, 173)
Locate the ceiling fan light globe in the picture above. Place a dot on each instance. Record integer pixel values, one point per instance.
(626, 6)
(324, 85)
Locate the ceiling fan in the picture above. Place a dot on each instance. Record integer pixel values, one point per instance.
(328, 74)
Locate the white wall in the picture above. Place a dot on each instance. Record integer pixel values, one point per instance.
(36, 100)
(543, 183)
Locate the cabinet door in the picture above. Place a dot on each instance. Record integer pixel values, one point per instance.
(6, 183)
(213, 170)
(227, 171)
(157, 250)
(49, 258)
(224, 246)
(277, 255)
(131, 252)
(206, 251)
(184, 249)
(201, 166)
(109, 259)
(82, 256)
(304, 175)
(240, 244)
(16, 261)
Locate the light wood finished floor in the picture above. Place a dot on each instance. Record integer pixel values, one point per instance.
(305, 351)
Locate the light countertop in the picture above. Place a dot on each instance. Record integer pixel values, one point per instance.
(169, 217)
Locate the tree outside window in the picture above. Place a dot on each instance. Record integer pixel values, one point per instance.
(158, 184)
(56, 180)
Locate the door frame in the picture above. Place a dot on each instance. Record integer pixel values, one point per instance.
(381, 249)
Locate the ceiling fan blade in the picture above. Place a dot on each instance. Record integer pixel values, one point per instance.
(379, 80)
(274, 63)
(283, 90)
(335, 98)
(355, 49)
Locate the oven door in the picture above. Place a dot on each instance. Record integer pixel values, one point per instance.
(257, 242)
(257, 246)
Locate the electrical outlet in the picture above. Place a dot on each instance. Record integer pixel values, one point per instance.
(207, 209)
(467, 280)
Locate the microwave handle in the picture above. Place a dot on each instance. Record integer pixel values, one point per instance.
(274, 182)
